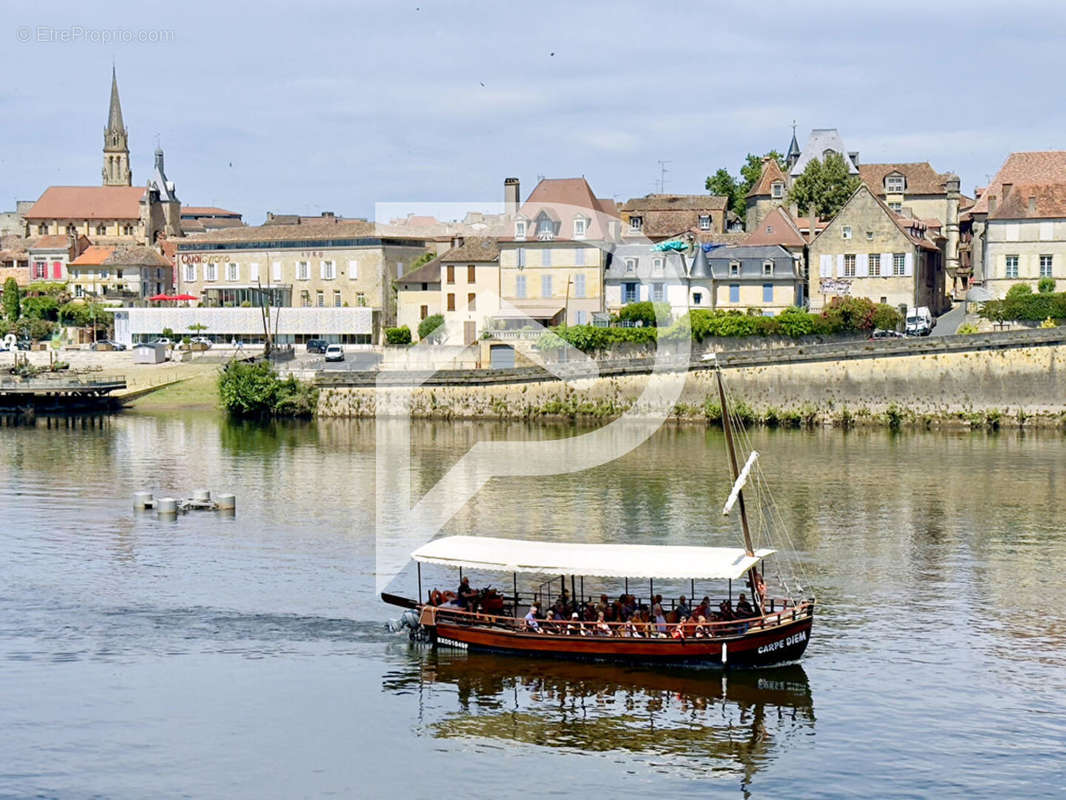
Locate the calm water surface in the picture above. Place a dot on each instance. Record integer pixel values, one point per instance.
(246, 657)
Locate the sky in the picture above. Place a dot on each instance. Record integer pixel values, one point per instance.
(340, 106)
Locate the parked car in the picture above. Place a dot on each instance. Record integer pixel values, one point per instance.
(919, 321)
(317, 345)
(884, 333)
(334, 353)
(202, 340)
(107, 344)
(164, 340)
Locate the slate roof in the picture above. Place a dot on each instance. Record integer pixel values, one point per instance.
(771, 173)
(919, 177)
(88, 202)
(751, 259)
(1039, 167)
(820, 140)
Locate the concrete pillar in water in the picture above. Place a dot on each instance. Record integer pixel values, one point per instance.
(226, 502)
(141, 500)
(167, 506)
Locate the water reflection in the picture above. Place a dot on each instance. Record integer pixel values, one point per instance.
(687, 721)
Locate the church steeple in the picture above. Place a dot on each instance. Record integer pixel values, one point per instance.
(793, 150)
(116, 170)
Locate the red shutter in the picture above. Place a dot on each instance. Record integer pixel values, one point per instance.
(57, 270)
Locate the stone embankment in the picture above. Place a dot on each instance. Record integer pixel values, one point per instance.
(985, 380)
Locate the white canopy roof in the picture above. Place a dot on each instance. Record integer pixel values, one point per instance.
(601, 560)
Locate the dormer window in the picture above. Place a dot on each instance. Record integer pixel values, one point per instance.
(894, 184)
(636, 223)
(845, 232)
(827, 153)
(545, 227)
(631, 266)
(767, 268)
(520, 229)
(734, 268)
(705, 222)
(657, 266)
(580, 226)
(777, 190)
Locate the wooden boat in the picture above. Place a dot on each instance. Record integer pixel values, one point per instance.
(773, 629)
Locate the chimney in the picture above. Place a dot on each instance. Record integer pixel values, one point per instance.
(510, 197)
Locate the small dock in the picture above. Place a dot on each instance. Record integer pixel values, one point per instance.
(59, 394)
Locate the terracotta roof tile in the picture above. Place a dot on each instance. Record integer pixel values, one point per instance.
(771, 173)
(88, 202)
(319, 229)
(569, 198)
(1040, 167)
(919, 177)
(427, 273)
(1032, 201)
(50, 242)
(778, 227)
(474, 250)
(135, 257)
(207, 211)
(94, 256)
(676, 202)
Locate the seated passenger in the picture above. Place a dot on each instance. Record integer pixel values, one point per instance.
(703, 608)
(744, 609)
(576, 626)
(466, 596)
(602, 628)
(700, 631)
(682, 607)
(630, 629)
(725, 611)
(679, 629)
(549, 625)
(531, 619)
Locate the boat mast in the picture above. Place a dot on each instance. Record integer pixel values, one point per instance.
(727, 426)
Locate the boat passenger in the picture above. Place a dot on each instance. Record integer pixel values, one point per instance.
(531, 619)
(679, 628)
(725, 611)
(701, 628)
(683, 609)
(657, 614)
(631, 629)
(744, 609)
(466, 597)
(549, 622)
(703, 608)
(602, 628)
(576, 626)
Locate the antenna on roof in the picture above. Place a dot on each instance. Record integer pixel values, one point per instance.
(662, 175)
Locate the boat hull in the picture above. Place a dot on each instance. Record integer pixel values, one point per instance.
(764, 647)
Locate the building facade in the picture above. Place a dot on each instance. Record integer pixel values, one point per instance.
(867, 250)
(123, 274)
(50, 256)
(656, 217)
(325, 263)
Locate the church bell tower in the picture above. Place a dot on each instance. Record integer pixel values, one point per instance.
(116, 170)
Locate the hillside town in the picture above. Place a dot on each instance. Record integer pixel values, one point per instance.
(903, 235)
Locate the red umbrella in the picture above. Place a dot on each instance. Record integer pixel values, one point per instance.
(159, 298)
(184, 297)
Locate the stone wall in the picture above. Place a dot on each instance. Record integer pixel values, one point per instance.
(969, 387)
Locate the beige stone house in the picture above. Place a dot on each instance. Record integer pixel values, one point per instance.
(768, 193)
(551, 269)
(418, 295)
(124, 273)
(322, 262)
(867, 250)
(50, 255)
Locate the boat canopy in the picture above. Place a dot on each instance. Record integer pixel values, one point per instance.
(596, 560)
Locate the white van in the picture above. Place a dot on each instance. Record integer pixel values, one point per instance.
(919, 321)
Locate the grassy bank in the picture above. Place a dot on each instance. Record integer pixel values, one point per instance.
(198, 393)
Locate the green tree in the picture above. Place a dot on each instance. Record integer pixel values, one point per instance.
(1046, 285)
(12, 300)
(44, 306)
(646, 313)
(254, 390)
(722, 183)
(425, 258)
(752, 171)
(401, 335)
(824, 184)
(197, 327)
(431, 329)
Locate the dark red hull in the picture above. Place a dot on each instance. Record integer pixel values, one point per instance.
(755, 648)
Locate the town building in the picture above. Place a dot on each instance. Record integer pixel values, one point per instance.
(867, 250)
(470, 289)
(762, 277)
(418, 295)
(50, 255)
(116, 171)
(551, 268)
(300, 262)
(656, 217)
(1016, 230)
(120, 273)
(821, 143)
(768, 193)
(201, 219)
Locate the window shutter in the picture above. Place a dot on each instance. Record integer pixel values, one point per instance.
(840, 265)
(322, 270)
(862, 266)
(253, 272)
(825, 266)
(353, 269)
(908, 265)
(276, 270)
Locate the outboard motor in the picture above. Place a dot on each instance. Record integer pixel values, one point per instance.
(408, 620)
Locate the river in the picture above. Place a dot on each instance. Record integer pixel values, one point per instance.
(246, 656)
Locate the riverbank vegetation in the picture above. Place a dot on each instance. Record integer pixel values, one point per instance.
(1022, 304)
(253, 390)
(842, 315)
